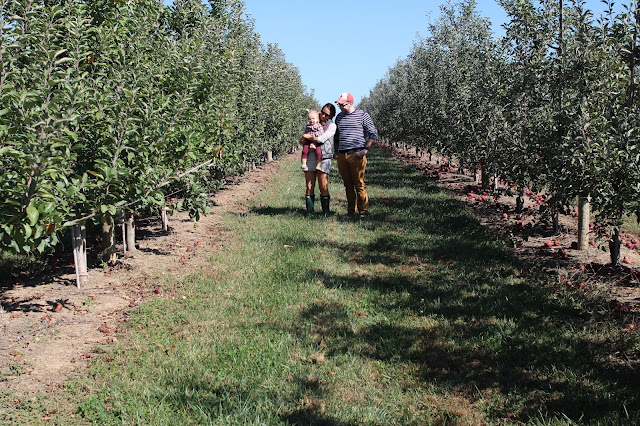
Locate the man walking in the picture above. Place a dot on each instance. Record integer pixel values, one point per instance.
(354, 136)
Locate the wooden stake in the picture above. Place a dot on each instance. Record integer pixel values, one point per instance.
(165, 219)
(124, 238)
(131, 233)
(584, 213)
(79, 244)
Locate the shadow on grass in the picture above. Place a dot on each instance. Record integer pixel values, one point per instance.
(279, 211)
(486, 329)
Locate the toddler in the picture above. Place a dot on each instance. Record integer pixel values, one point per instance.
(315, 128)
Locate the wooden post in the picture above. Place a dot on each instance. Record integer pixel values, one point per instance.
(269, 156)
(124, 238)
(131, 233)
(584, 213)
(165, 218)
(79, 244)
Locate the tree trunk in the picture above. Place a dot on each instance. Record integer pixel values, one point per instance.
(614, 247)
(520, 201)
(79, 244)
(556, 223)
(108, 253)
(484, 176)
(584, 219)
(495, 182)
(131, 233)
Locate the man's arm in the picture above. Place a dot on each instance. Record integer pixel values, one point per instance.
(370, 130)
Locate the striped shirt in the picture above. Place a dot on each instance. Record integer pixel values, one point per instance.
(353, 131)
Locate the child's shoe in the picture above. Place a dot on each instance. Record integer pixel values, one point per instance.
(304, 164)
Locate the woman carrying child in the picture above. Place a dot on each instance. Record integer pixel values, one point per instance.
(320, 171)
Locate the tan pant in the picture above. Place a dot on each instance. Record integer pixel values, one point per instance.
(351, 168)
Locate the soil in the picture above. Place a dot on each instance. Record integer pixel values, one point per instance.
(51, 329)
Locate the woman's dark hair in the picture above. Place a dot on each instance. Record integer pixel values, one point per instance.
(332, 109)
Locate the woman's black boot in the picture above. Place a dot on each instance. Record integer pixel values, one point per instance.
(310, 200)
(324, 200)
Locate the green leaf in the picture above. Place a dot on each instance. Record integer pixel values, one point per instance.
(27, 231)
(48, 208)
(38, 232)
(58, 53)
(63, 60)
(32, 214)
(42, 246)
(73, 135)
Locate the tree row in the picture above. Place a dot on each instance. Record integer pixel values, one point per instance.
(552, 105)
(109, 107)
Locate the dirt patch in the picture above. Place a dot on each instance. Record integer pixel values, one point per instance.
(50, 328)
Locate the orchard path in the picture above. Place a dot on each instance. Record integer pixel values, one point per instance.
(40, 348)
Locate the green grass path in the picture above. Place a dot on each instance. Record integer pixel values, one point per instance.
(416, 316)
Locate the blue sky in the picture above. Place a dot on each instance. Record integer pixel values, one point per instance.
(348, 46)
(356, 42)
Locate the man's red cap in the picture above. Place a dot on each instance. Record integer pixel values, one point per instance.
(344, 98)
